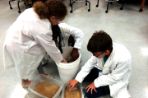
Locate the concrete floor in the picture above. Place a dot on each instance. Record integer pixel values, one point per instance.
(128, 27)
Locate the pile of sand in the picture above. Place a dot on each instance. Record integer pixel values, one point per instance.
(46, 88)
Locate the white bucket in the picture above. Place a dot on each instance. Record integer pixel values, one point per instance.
(67, 71)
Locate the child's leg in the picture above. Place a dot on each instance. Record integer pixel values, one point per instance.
(101, 91)
(41, 69)
(94, 73)
(43, 63)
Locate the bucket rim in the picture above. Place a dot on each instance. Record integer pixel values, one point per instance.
(63, 65)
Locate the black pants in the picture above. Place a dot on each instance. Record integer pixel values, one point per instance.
(43, 63)
(41, 69)
(101, 91)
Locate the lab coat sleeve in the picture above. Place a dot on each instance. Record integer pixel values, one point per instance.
(7, 60)
(119, 72)
(45, 40)
(77, 33)
(86, 69)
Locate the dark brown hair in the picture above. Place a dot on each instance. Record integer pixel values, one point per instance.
(50, 8)
(99, 42)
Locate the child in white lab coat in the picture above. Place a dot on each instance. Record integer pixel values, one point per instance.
(29, 38)
(114, 64)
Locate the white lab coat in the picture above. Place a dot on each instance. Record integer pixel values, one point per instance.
(27, 41)
(115, 72)
(68, 30)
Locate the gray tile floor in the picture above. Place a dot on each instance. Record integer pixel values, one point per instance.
(128, 27)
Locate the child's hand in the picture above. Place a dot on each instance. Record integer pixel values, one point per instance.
(72, 84)
(75, 53)
(91, 87)
(63, 61)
